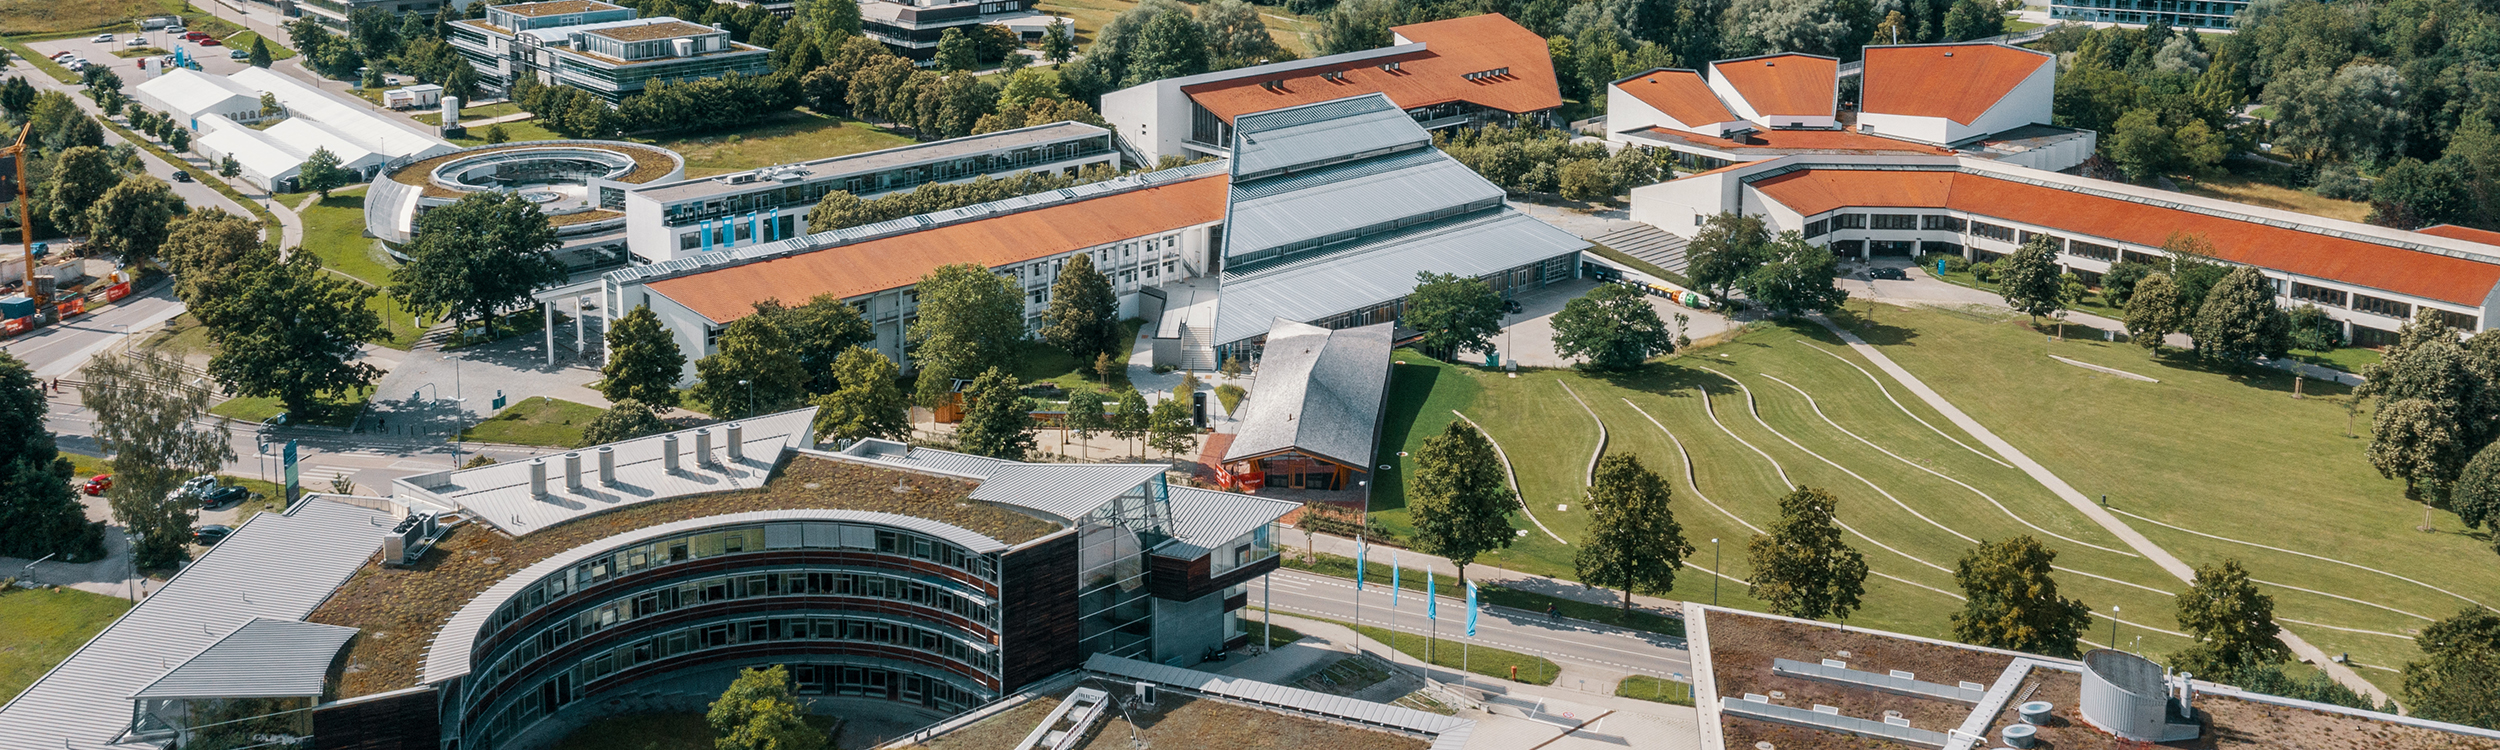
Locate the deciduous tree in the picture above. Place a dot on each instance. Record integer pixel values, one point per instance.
(1803, 568)
(2313, 331)
(1797, 278)
(970, 321)
(819, 332)
(867, 401)
(1173, 433)
(1130, 417)
(1726, 252)
(205, 249)
(2028, 279)
(131, 219)
(643, 361)
(2232, 622)
(2012, 600)
(2459, 680)
(758, 712)
(80, 176)
(1084, 314)
(321, 173)
(998, 419)
(1460, 497)
(153, 417)
(1454, 313)
(755, 371)
(2239, 320)
(624, 420)
(478, 256)
(2475, 497)
(1612, 327)
(2154, 311)
(291, 331)
(1633, 543)
(1236, 36)
(39, 515)
(1085, 414)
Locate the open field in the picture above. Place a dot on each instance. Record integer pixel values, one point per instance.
(2241, 189)
(40, 628)
(536, 421)
(1780, 405)
(1291, 31)
(783, 138)
(334, 231)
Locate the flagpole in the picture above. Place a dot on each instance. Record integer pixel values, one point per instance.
(1395, 585)
(1359, 550)
(1267, 610)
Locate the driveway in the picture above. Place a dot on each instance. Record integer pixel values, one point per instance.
(1529, 335)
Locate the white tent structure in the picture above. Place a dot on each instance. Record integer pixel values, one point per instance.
(364, 140)
(188, 94)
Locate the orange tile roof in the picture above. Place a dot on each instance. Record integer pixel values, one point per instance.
(901, 260)
(1681, 94)
(1452, 49)
(2426, 275)
(1958, 82)
(1780, 142)
(1785, 84)
(2469, 234)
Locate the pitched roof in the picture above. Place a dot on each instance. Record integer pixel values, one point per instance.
(1206, 518)
(2469, 234)
(1435, 74)
(1067, 491)
(1681, 94)
(1958, 82)
(2394, 269)
(189, 92)
(1784, 84)
(1381, 267)
(1319, 392)
(266, 658)
(885, 263)
(1781, 141)
(1294, 139)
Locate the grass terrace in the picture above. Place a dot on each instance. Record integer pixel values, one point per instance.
(782, 138)
(536, 421)
(40, 627)
(2254, 192)
(401, 609)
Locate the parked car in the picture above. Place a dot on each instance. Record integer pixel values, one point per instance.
(182, 176)
(56, 56)
(97, 485)
(191, 488)
(211, 534)
(102, 38)
(211, 42)
(1888, 273)
(136, 41)
(176, 29)
(238, 54)
(1512, 307)
(195, 36)
(219, 496)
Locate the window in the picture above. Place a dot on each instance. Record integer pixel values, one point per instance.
(1940, 223)
(1849, 221)
(1893, 221)
(2082, 249)
(2387, 307)
(2459, 321)
(1991, 231)
(1818, 228)
(2317, 294)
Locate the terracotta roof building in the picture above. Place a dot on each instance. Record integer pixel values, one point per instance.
(1463, 71)
(1986, 100)
(2370, 278)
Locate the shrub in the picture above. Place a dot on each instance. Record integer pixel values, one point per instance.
(1952, 263)
(1984, 271)
(2342, 182)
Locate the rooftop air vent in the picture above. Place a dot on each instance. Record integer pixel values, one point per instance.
(1770, 63)
(1948, 54)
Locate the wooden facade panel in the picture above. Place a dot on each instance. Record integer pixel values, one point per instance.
(1038, 624)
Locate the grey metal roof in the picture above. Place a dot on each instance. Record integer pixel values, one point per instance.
(448, 656)
(1876, 681)
(1382, 268)
(499, 494)
(903, 455)
(1293, 138)
(837, 167)
(1068, 491)
(275, 566)
(1206, 518)
(266, 658)
(1373, 194)
(1318, 392)
(1297, 700)
(1831, 722)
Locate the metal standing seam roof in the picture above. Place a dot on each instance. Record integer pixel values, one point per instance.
(1206, 518)
(1067, 491)
(1680, 94)
(277, 566)
(266, 658)
(448, 656)
(904, 456)
(499, 494)
(2458, 281)
(1319, 392)
(1958, 82)
(1288, 138)
(1312, 205)
(1359, 712)
(1787, 84)
(1382, 268)
(1435, 71)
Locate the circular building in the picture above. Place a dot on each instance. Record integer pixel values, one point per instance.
(580, 185)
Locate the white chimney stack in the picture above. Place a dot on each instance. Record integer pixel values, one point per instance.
(538, 477)
(573, 472)
(668, 452)
(737, 442)
(703, 447)
(607, 466)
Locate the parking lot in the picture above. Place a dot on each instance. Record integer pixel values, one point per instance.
(212, 59)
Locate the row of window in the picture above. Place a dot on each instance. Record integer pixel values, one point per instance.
(702, 544)
(567, 686)
(809, 193)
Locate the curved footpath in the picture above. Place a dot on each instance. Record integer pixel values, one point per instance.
(2116, 527)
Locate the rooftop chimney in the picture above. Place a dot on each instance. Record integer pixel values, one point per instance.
(737, 442)
(573, 472)
(607, 466)
(538, 477)
(703, 447)
(668, 452)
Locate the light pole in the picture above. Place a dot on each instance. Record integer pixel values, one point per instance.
(125, 339)
(750, 384)
(1714, 571)
(2113, 626)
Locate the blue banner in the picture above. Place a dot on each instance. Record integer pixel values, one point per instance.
(772, 222)
(707, 235)
(1358, 564)
(1432, 598)
(1471, 609)
(1393, 578)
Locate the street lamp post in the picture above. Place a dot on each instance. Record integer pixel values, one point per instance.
(750, 384)
(2113, 626)
(1714, 571)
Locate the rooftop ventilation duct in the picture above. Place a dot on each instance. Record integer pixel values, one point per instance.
(703, 447)
(607, 466)
(573, 472)
(538, 477)
(2127, 695)
(736, 435)
(668, 452)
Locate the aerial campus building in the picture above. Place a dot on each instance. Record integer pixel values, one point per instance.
(1990, 101)
(579, 184)
(2194, 14)
(597, 47)
(912, 28)
(2370, 278)
(1477, 70)
(501, 606)
(226, 110)
(1326, 217)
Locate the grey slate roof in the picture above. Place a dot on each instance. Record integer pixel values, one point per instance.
(448, 656)
(499, 495)
(1207, 518)
(1318, 392)
(275, 566)
(1294, 137)
(266, 658)
(1067, 491)
(1295, 700)
(1382, 268)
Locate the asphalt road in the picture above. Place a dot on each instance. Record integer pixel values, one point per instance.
(60, 349)
(1605, 647)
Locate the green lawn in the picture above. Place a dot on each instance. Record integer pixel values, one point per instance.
(2092, 302)
(525, 130)
(536, 421)
(339, 411)
(39, 628)
(497, 109)
(2347, 359)
(787, 137)
(1657, 689)
(1042, 362)
(243, 40)
(334, 231)
(2203, 449)
(1455, 653)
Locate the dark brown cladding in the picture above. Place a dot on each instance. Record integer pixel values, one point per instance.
(1037, 611)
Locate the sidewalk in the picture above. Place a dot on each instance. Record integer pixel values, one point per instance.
(1510, 579)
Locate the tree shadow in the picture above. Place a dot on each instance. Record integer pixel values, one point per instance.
(1410, 388)
(2249, 374)
(1866, 323)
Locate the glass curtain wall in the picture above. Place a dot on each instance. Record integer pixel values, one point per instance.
(1115, 614)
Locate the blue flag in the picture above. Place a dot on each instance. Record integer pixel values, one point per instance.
(1471, 609)
(1394, 573)
(1359, 549)
(1432, 598)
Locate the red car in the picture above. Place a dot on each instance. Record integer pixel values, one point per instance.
(98, 485)
(195, 36)
(211, 42)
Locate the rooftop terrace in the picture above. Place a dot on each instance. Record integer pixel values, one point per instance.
(1178, 721)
